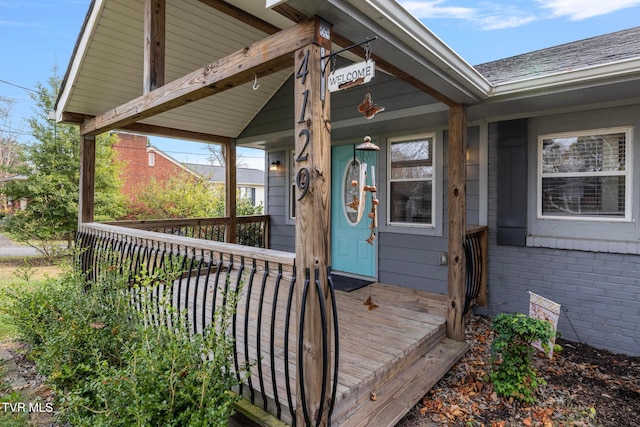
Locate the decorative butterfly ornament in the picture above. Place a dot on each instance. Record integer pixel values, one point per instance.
(368, 108)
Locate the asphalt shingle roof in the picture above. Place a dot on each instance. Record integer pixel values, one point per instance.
(217, 173)
(600, 50)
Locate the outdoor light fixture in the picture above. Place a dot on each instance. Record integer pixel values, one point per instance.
(275, 165)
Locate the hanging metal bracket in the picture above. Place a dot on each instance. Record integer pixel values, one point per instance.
(337, 52)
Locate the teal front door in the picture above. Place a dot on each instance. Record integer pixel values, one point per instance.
(350, 251)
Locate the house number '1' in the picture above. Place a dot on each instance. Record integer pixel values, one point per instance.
(303, 177)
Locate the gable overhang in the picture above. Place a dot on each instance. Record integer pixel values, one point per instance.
(106, 68)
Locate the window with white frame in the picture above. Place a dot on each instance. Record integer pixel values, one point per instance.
(585, 175)
(411, 188)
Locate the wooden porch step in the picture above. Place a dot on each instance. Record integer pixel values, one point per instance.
(395, 398)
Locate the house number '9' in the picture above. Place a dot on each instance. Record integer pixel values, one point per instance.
(303, 177)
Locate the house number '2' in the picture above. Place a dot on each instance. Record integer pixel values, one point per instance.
(303, 177)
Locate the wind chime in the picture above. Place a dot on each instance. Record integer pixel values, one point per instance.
(369, 152)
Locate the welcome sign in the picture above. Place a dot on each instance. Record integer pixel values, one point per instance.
(353, 75)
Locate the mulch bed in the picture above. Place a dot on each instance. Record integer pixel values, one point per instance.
(585, 387)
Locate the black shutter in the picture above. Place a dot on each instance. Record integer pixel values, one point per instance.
(512, 182)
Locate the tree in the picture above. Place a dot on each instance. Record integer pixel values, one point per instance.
(52, 167)
(9, 146)
(186, 196)
(217, 156)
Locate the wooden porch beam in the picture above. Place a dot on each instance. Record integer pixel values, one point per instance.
(290, 13)
(147, 129)
(87, 179)
(230, 208)
(178, 133)
(154, 44)
(241, 15)
(264, 57)
(457, 220)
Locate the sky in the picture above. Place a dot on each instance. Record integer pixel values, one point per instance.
(38, 36)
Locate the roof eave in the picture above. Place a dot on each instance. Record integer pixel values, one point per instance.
(423, 43)
(596, 75)
(77, 57)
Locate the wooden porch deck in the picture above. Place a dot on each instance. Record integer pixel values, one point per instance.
(395, 352)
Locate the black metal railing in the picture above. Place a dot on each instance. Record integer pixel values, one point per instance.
(330, 360)
(475, 245)
(263, 325)
(251, 230)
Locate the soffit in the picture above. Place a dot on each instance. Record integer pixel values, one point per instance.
(107, 71)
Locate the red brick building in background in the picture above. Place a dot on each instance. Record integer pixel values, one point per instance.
(143, 162)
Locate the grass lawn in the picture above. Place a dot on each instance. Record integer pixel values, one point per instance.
(15, 273)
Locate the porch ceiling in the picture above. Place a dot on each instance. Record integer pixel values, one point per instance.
(106, 70)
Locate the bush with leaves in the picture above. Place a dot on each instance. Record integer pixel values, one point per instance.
(168, 377)
(111, 365)
(186, 196)
(512, 373)
(71, 327)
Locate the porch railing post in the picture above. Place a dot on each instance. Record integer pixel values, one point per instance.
(484, 250)
(313, 213)
(457, 220)
(230, 210)
(87, 179)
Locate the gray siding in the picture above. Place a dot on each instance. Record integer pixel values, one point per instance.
(405, 259)
(599, 292)
(282, 235)
(393, 94)
(412, 261)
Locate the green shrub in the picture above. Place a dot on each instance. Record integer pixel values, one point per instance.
(512, 373)
(169, 377)
(70, 328)
(110, 365)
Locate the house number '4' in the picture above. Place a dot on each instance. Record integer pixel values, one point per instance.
(303, 177)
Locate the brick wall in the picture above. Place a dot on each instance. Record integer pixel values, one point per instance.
(599, 291)
(131, 151)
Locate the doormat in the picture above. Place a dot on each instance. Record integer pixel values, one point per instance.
(348, 284)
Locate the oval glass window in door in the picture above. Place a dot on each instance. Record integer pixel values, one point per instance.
(351, 193)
